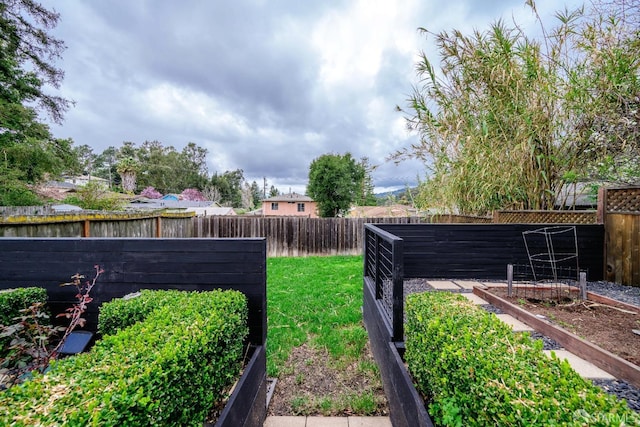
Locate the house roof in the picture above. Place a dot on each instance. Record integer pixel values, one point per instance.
(576, 195)
(290, 197)
(145, 203)
(72, 179)
(213, 211)
(65, 208)
(382, 211)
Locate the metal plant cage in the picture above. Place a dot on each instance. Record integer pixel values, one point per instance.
(553, 253)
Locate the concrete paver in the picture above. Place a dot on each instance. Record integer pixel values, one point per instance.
(515, 324)
(584, 368)
(369, 422)
(287, 421)
(468, 284)
(444, 285)
(475, 299)
(327, 422)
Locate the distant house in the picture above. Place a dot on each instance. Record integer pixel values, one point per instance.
(65, 208)
(171, 202)
(577, 196)
(292, 204)
(213, 211)
(85, 179)
(55, 190)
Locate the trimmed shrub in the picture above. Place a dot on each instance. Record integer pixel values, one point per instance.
(475, 371)
(166, 370)
(121, 313)
(14, 300)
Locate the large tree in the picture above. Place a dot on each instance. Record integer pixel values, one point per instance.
(27, 56)
(128, 169)
(158, 166)
(506, 120)
(334, 182)
(365, 195)
(229, 187)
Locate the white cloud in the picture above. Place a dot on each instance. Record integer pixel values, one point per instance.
(264, 86)
(191, 110)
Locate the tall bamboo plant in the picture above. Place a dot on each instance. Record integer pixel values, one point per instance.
(502, 121)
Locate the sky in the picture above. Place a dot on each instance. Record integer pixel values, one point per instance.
(264, 86)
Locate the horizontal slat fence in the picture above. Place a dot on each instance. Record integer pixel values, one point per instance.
(482, 251)
(297, 236)
(138, 263)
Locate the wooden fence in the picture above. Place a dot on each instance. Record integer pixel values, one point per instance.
(98, 224)
(621, 212)
(297, 236)
(133, 264)
(545, 217)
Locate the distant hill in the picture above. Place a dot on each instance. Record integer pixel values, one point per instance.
(394, 193)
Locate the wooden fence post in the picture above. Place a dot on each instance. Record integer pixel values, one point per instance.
(86, 228)
(602, 205)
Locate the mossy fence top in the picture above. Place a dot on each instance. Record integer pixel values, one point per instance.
(99, 224)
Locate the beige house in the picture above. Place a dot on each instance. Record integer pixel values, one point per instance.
(292, 204)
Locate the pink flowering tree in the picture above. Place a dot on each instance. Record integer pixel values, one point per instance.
(193, 195)
(151, 193)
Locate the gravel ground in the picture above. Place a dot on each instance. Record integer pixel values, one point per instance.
(627, 294)
(623, 390)
(549, 344)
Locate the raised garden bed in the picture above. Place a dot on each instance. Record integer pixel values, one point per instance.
(247, 404)
(406, 406)
(394, 253)
(585, 348)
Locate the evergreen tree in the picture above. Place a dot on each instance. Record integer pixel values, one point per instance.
(28, 152)
(334, 181)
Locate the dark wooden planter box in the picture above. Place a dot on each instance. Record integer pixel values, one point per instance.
(406, 407)
(395, 252)
(247, 405)
(132, 264)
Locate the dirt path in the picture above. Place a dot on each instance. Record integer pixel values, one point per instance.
(313, 384)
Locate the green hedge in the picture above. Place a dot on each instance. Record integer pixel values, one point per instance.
(475, 371)
(14, 300)
(11, 302)
(121, 313)
(166, 370)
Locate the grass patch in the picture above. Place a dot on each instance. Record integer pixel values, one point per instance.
(317, 344)
(314, 300)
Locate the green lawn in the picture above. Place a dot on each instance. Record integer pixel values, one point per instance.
(314, 300)
(317, 302)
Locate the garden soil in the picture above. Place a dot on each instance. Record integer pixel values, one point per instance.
(607, 326)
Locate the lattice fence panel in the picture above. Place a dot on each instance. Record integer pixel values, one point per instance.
(460, 219)
(623, 200)
(546, 217)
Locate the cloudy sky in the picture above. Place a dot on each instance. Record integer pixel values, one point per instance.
(264, 86)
